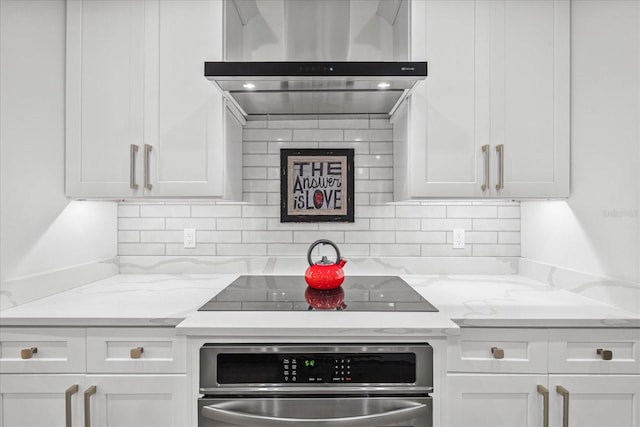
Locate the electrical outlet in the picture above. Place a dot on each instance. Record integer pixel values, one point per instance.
(189, 238)
(458, 238)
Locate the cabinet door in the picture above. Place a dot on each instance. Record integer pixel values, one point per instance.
(448, 117)
(40, 400)
(494, 400)
(184, 120)
(138, 400)
(530, 96)
(597, 400)
(104, 97)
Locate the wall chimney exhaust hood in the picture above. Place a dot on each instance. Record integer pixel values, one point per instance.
(290, 88)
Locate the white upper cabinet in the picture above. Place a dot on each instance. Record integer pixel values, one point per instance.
(495, 105)
(142, 120)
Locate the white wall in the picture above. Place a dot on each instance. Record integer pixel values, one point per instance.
(597, 231)
(40, 229)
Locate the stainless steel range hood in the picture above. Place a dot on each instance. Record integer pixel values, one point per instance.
(316, 87)
(296, 57)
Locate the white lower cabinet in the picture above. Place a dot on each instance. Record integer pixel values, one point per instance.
(500, 400)
(136, 400)
(126, 377)
(500, 377)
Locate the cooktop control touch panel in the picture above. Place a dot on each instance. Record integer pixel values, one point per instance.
(307, 368)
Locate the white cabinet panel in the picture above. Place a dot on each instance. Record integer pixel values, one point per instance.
(138, 400)
(597, 400)
(105, 91)
(39, 400)
(494, 400)
(135, 350)
(498, 76)
(135, 81)
(57, 350)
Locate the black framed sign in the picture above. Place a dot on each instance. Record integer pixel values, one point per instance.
(316, 185)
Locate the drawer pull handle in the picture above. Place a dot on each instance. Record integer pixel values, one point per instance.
(545, 404)
(136, 353)
(606, 354)
(500, 151)
(27, 353)
(87, 404)
(565, 404)
(67, 401)
(498, 353)
(147, 150)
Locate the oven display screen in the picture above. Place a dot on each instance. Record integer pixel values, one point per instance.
(258, 368)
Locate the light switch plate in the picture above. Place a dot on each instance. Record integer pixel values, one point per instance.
(189, 238)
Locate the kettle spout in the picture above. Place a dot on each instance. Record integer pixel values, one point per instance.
(342, 262)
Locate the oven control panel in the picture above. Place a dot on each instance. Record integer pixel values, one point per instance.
(314, 368)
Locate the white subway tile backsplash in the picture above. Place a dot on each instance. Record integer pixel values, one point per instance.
(128, 236)
(267, 134)
(141, 249)
(394, 224)
(409, 211)
(276, 236)
(381, 227)
(215, 236)
(128, 211)
(255, 198)
(369, 237)
(242, 223)
(309, 237)
(259, 147)
(421, 237)
(344, 124)
(445, 251)
(141, 223)
(436, 224)
(368, 135)
(496, 224)
(472, 211)
(382, 250)
(162, 236)
(216, 211)
(318, 135)
(197, 223)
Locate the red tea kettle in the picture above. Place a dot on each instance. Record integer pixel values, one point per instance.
(324, 274)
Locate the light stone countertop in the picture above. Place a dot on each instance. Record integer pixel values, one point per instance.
(173, 299)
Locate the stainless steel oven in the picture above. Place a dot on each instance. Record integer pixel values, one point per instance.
(346, 385)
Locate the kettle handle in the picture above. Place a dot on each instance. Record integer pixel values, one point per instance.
(324, 242)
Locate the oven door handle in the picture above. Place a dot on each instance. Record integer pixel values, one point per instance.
(251, 413)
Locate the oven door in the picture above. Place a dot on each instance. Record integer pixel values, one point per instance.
(314, 411)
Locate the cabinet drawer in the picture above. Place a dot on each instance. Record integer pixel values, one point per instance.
(42, 350)
(135, 350)
(576, 351)
(498, 350)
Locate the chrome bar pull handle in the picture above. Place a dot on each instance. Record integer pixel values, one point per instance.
(147, 150)
(500, 151)
(67, 401)
(133, 150)
(485, 153)
(87, 404)
(545, 404)
(565, 404)
(605, 354)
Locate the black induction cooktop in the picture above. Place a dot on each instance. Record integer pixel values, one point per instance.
(291, 293)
